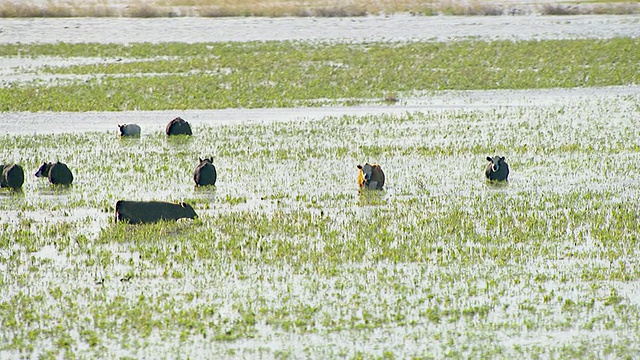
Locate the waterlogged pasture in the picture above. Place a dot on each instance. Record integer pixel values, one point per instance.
(113, 77)
(288, 260)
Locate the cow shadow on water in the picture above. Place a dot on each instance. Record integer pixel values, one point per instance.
(367, 197)
(129, 141)
(179, 141)
(205, 192)
(11, 193)
(54, 189)
(497, 185)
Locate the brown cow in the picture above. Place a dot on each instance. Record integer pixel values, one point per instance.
(370, 176)
(178, 126)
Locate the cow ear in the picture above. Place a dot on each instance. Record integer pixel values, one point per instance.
(359, 166)
(489, 158)
(200, 159)
(502, 158)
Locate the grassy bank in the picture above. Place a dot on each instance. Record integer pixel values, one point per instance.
(279, 74)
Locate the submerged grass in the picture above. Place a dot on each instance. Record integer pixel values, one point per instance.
(283, 74)
(287, 259)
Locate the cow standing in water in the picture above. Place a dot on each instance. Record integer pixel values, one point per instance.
(370, 176)
(178, 126)
(57, 173)
(11, 176)
(205, 173)
(497, 169)
(131, 130)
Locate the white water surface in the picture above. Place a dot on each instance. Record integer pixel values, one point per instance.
(155, 121)
(400, 27)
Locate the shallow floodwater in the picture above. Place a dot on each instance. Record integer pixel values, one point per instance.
(155, 121)
(289, 261)
(401, 27)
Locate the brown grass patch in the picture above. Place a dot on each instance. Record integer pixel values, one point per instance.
(553, 9)
(10, 9)
(616, 9)
(469, 9)
(142, 9)
(591, 8)
(301, 8)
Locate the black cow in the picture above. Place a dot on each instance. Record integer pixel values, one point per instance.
(142, 212)
(57, 173)
(12, 176)
(129, 130)
(205, 173)
(178, 126)
(497, 169)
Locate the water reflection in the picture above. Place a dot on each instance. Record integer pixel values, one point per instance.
(205, 192)
(54, 189)
(129, 141)
(372, 197)
(179, 141)
(12, 193)
(497, 184)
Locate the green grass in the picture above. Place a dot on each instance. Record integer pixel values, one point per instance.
(287, 259)
(284, 74)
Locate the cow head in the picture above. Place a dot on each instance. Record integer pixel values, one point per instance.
(43, 170)
(366, 169)
(496, 162)
(188, 210)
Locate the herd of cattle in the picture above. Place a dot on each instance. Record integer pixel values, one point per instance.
(370, 176)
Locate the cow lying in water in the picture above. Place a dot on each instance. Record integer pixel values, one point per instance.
(11, 176)
(205, 173)
(370, 176)
(57, 173)
(497, 169)
(142, 212)
(178, 126)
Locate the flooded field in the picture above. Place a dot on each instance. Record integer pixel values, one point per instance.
(288, 259)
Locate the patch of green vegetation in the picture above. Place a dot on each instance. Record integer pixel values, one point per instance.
(279, 74)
